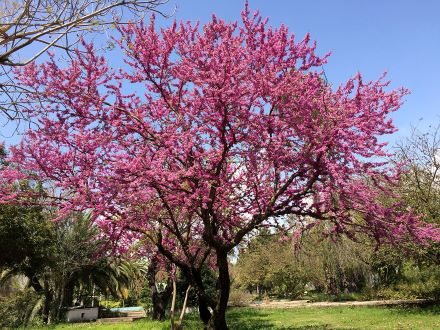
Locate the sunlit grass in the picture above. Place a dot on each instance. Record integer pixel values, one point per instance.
(301, 318)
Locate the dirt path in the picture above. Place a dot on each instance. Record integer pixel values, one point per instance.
(307, 303)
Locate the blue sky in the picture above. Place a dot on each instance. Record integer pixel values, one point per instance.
(401, 37)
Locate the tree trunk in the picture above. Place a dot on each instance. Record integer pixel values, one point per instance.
(218, 319)
(178, 325)
(60, 303)
(204, 313)
(159, 308)
(173, 307)
(68, 294)
(159, 299)
(34, 282)
(47, 303)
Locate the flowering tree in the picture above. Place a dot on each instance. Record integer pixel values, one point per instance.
(210, 133)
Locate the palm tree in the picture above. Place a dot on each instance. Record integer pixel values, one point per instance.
(78, 263)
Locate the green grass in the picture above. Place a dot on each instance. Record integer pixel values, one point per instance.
(302, 319)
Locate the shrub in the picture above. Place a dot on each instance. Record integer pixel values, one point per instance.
(110, 303)
(414, 282)
(20, 310)
(240, 298)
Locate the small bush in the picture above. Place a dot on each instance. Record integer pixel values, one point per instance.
(416, 282)
(20, 310)
(320, 296)
(110, 304)
(240, 298)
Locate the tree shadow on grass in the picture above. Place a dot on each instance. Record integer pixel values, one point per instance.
(246, 319)
(428, 308)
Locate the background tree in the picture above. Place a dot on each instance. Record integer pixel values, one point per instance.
(28, 28)
(267, 266)
(64, 261)
(83, 267)
(275, 267)
(20, 309)
(335, 267)
(414, 270)
(420, 185)
(25, 241)
(230, 127)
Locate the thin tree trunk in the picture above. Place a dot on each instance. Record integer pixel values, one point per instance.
(47, 303)
(93, 295)
(173, 305)
(182, 313)
(177, 325)
(60, 303)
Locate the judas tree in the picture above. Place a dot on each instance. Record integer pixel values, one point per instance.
(206, 134)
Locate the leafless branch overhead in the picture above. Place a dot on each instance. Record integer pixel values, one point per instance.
(28, 28)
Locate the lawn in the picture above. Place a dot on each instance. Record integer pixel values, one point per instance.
(303, 318)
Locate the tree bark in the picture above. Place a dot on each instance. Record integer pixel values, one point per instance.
(34, 282)
(196, 277)
(174, 326)
(178, 325)
(68, 294)
(159, 308)
(159, 299)
(47, 303)
(60, 303)
(204, 313)
(218, 318)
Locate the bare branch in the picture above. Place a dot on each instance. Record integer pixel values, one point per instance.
(35, 26)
